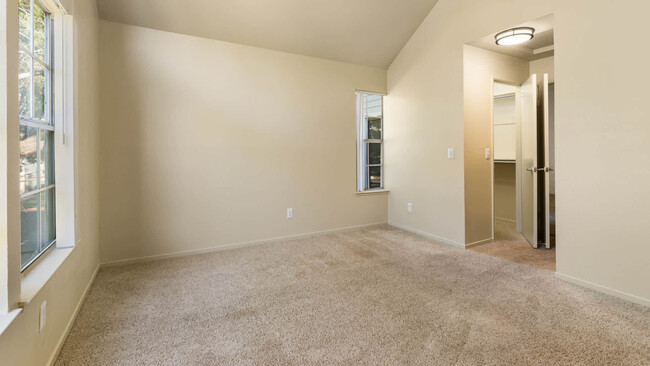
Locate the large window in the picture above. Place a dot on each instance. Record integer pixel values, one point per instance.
(370, 142)
(37, 189)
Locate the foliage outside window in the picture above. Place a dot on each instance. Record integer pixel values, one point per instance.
(37, 188)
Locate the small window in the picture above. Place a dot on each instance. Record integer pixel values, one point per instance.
(37, 188)
(370, 142)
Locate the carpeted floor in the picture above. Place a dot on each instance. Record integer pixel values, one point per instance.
(371, 296)
(512, 246)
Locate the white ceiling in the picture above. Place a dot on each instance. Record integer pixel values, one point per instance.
(366, 32)
(541, 46)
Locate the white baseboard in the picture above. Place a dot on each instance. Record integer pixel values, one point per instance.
(606, 290)
(68, 327)
(429, 236)
(232, 246)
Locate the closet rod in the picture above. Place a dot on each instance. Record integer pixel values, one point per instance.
(504, 96)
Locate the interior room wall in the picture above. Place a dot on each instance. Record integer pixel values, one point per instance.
(544, 66)
(480, 66)
(206, 143)
(420, 111)
(21, 343)
(601, 132)
(505, 194)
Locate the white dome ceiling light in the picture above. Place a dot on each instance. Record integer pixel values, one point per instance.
(514, 36)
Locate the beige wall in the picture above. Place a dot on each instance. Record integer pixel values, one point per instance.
(601, 131)
(505, 192)
(207, 143)
(544, 66)
(22, 344)
(424, 102)
(480, 66)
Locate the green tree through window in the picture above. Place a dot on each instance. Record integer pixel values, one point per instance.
(37, 189)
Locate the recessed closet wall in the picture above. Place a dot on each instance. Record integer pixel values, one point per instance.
(506, 122)
(480, 66)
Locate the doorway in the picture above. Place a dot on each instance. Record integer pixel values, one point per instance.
(521, 150)
(524, 159)
(505, 146)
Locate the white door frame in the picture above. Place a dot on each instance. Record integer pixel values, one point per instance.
(518, 152)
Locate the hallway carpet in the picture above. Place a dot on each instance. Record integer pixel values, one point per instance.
(512, 246)
(375, 296)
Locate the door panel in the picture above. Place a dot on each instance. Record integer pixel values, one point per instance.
(547, 165)
(529, 160)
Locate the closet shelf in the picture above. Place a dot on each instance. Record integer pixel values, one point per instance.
(504, 96)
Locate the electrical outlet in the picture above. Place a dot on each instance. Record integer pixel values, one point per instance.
(409, 207)
(43, 316)
(289, 213)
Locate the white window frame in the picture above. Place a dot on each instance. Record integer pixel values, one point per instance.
(65, 141)
(49, 120)
(16, 288)
(362, 140)
(63, 102)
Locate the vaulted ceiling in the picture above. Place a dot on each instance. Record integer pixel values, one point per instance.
(366, 32)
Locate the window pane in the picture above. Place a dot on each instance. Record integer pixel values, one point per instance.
(41, 81)
(40, 42)
(28, 159)
(24, 24)
(46, 144)
(373, 153)
(29, 230)
(374, 128)
(373, 105)
(47, 217)
(374, 177)
(24, 85)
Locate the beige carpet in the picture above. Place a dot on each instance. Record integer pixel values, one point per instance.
(372, 296)
(512, 246)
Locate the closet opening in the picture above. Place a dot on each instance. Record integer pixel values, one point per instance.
(509, 96)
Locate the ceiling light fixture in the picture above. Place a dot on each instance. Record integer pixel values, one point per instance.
(514, 36)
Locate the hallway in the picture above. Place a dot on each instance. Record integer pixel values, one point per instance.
(512, 246)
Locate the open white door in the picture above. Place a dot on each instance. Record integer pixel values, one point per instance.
(548, 169)
(529, 160)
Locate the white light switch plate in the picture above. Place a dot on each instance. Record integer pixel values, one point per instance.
(487, 153)
(289, 213)
(451, 153)
(409, 207)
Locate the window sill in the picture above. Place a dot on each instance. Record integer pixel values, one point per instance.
(377, 191)
(34, 281)
(37, 277)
